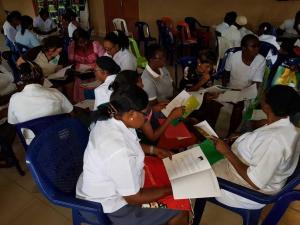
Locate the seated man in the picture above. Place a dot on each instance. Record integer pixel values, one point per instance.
(291, 26)
(35, 101)
(43, 24)
(243, 68)
(229, 20)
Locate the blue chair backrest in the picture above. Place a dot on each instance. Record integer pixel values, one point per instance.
(222, 62)
(142, 30)
(165, 35)
(266, 47)
(185, 61)
(55, 160)
(38, 125)
(22, 49)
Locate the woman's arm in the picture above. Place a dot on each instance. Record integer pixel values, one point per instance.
(239, 166)
(153, 135)
(159, 152)
(146, 195)
(204, 79)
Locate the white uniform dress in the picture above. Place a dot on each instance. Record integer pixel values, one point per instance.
(125, 59)
(272, 154)
(233, 35)
(242, 75)
(44, 25)
(102, 93)
(113, 165)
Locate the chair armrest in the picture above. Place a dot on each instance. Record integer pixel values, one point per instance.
(246, 192)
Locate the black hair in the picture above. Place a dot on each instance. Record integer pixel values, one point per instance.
(13, 15)
(44, 11)
(122, 101)
(152, 50)
(108, 64)
(118, 37)
(283, 100)
(26, 22)
(297, 15)
(52, 42)
(125, 79)
(80, 33)
(247, 38)
(265, 28)
(30, 73)
(287, 46)
(230, 17)
(207, 56)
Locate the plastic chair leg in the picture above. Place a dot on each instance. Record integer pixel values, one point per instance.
(198, 210)
(252, 217)
(76, 217)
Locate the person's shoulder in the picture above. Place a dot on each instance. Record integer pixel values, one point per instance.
(259, 59)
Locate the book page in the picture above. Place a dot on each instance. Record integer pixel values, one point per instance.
(206, 128)
(199, 96)
(248, 93)
(229, 96)
(199, 185)
(88, 103)
(185, 163)
(179, 100)
(59, 75)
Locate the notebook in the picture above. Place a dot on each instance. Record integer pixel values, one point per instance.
(178, 131)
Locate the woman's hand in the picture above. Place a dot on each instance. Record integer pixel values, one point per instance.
(176, 112)
(221, 146)
(162, 153)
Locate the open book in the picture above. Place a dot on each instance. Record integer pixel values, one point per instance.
(191, 175)
(206, 130)
(59, 75)
(182, 99)
(237, 96)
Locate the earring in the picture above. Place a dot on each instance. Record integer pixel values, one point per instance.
(131, 118)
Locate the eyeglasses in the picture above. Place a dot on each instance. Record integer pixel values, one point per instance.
(147, 114)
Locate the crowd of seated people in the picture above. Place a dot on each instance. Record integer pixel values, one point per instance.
(128, 107)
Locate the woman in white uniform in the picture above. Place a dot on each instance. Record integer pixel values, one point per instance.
(113, 170)
(116, 45)
(265, 158)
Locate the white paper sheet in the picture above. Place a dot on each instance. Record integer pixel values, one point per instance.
(186, 163)
(59, 75)
(297, 43)
(88, 103)
(178, 101)
(47, 83)
(237, 96)
(206, 128)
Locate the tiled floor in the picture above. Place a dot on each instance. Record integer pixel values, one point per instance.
(21, 203)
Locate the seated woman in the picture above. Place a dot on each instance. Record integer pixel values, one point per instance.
(265, 158)
(35, 101)
(7, 85)
(199, 77)
(265, 32)
(129, 78)
(25, 36)
(113, 172)
(116, 45)
(106, 72)
(83, 52)
(156, 78)
(242, 69)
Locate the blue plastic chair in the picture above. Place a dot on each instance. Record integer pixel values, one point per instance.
(37, 126)
(55, 160)
(184, 62)
(222, 62)
(251, 217)
(265, 47)
(22, 49)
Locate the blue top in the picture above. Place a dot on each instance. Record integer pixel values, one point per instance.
(28, 39)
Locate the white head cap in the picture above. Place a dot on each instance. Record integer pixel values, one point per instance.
(241, 20)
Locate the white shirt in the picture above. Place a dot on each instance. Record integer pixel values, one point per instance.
(244, 31)
(222, 27)
(42, 25)
(270, 39)
(125, 59)
(242, 75)
(6, 81)
(288, 26)
(9, 31)
(36, 101)
(271, 153)
(233, 35)
(113, 165)
(71, 29)
(157, 86)
(102, 93)
(28, 39)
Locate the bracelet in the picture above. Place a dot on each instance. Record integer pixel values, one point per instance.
(151, 150)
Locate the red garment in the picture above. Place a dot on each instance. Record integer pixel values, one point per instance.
(156, 176)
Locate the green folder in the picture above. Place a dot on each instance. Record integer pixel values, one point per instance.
(210, 151)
